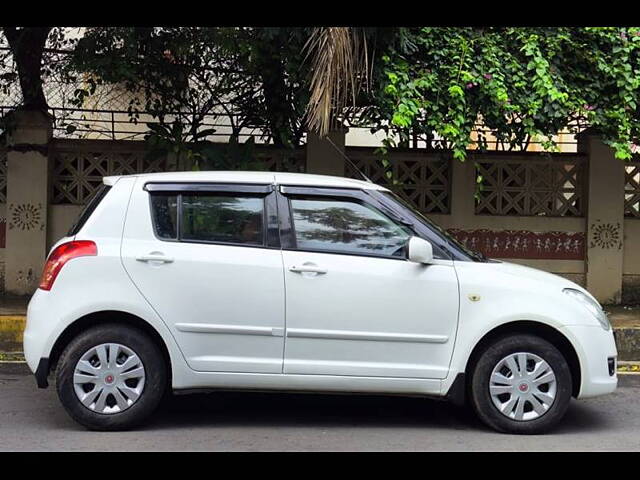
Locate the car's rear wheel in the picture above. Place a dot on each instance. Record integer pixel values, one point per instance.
(111, 377)
(521, 384)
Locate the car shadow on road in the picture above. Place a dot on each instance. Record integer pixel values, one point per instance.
(307, 410)
(583, 418)
(226, 409)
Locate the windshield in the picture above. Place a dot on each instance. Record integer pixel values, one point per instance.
(452, 241)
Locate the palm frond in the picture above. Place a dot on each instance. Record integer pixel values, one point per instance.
(339, 68)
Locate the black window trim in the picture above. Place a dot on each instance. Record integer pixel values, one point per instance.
(270, 227)
(287, 227)
(89, 208)
(179, 187)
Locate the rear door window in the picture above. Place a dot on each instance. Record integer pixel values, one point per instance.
(164, 208)
(223, 219)
(228, 218)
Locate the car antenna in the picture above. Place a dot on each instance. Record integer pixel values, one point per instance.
(355, 167)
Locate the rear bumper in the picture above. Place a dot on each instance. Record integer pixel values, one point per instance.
(595, 348)
(42, 373)
(36, 343)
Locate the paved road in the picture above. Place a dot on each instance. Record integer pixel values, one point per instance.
(32, 419)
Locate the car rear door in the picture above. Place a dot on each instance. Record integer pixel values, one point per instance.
(207, 258)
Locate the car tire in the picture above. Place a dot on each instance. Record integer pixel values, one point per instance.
(499, 385)
(125, 367)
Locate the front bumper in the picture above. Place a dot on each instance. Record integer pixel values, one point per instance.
(595, 348)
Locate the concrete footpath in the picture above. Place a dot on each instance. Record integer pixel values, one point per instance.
(626, 325)
(12, 321)
(624, 319)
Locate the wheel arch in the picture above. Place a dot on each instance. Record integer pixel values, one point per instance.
(544, 331)
(102, 317)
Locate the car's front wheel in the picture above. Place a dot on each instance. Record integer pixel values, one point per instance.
(521, 384)
(111, 377)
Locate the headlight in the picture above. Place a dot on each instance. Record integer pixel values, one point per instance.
(594, 307)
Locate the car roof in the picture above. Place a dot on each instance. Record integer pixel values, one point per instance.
(302, 179)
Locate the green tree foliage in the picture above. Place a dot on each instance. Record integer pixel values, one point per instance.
(184, 75)
(519, 82)
(251, 75)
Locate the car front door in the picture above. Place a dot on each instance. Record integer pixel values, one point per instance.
(354, 304)
(207, 259)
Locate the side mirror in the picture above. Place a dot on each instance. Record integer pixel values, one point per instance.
(419, 250)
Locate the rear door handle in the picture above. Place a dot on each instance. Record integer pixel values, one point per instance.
(307, 268)
(154, 258)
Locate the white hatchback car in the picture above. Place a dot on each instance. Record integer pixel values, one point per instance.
(275, 281)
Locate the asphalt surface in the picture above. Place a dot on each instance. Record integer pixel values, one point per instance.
(33, 420)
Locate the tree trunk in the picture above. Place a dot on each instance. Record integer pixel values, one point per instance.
(27, 45)
(278, 107)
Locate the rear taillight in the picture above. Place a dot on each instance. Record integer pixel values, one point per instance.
(61, 255)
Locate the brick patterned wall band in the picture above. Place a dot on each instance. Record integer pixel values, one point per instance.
(500, 244)
(524, 244)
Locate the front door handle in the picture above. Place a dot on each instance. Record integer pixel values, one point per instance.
(307, 269)
(154, 258)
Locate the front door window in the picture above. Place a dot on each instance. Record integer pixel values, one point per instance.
(344, 226)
